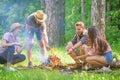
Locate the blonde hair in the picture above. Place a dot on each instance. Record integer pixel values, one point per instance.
(81, 24)
(14, 26)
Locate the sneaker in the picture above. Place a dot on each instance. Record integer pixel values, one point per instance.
(9, 68)
(30, 65)
(104, 69)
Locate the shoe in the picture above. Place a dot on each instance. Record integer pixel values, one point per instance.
(9, 68)
(104, 69)
(30, 65)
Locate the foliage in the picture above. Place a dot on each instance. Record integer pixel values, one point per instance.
(113, 24)
(113, 12)
(73, 15)
(112, 34)
(16, 11)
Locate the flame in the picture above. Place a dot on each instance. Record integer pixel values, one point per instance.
(53, 50)
(55, 60)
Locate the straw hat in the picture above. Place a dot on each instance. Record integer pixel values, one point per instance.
(40, 16)
(14, 26)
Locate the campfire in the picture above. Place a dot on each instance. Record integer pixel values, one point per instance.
(54, 61)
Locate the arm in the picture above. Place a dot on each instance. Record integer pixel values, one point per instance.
(45, 37)
(82, 56)
(83, 40)
(72, 49)
(77, 45)
(89, 53)
(5, 44)
(71, 43)
(69, 46)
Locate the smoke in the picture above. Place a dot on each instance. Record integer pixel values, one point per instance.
(43, 59)
(12, 11)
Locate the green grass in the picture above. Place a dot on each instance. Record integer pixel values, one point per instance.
(44, 74)
(49, 74)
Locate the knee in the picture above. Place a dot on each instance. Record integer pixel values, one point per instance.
(83, 47)
(30, 43)
(88, 59)
(23, 57)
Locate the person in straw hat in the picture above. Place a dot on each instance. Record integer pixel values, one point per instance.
(35, 24)
(9, 45)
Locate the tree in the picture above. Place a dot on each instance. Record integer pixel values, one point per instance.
(42, 4)
(15, 11)
(83, 10)
(55, 10)
(98, 15)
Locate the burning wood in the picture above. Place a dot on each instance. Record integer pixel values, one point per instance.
(54, 61)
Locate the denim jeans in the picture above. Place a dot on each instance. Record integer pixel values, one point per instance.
(108, 56)
(9, 56)
(33, 31)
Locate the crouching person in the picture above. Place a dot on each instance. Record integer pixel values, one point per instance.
(77, 42)
(101, 52)
(9, 45)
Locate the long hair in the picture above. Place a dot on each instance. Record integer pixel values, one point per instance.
(98, 42)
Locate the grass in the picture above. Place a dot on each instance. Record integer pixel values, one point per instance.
(49, 74)
(44, 74)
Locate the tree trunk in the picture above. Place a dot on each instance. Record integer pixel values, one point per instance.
(42, 4)
(55, 10)
(108, 8)
(98, 15)
(83, 10)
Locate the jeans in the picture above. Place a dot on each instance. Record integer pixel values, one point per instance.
(9, 56)
(108, 56)
(37, 32)
(30, 36)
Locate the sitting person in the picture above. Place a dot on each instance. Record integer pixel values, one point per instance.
(79, 39)
(101, 53)
(9, 45)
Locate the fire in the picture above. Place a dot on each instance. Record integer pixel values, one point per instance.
(55, 60)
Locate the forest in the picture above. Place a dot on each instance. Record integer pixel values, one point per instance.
(17, 11)
(61, 18)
